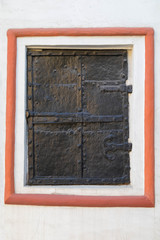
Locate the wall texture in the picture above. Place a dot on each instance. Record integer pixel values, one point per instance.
(64, 223)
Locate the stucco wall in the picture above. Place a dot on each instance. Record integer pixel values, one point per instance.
(64, 223)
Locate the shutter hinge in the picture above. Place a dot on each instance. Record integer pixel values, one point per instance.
(129, 88)
(125, 88)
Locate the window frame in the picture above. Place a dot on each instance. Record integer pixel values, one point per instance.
(146, 200)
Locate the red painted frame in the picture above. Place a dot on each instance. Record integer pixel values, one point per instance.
(146, 200)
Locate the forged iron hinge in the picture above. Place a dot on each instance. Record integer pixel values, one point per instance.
(129, 88)
(120, 88)
(126, 88)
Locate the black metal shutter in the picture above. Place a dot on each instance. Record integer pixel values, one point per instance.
(77, 113)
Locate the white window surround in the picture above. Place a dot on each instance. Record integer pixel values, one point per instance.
(136, 76)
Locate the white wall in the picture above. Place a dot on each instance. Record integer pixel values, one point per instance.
(66, 223)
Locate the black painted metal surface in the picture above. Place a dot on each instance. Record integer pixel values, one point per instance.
(77, 114)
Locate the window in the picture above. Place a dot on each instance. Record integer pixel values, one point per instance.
(78, 117)
(138, 43)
